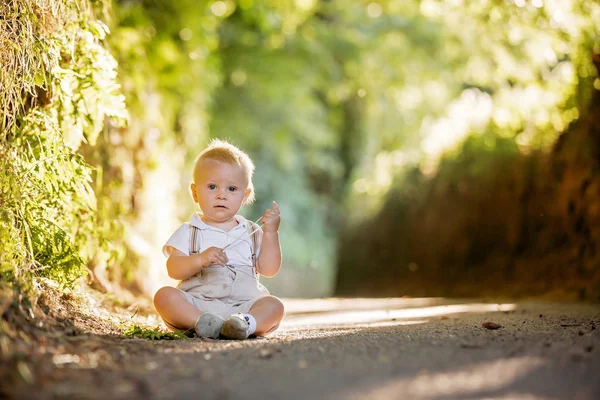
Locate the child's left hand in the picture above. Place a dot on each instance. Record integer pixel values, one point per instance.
(271, 219)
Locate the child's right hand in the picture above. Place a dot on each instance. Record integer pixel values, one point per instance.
(213, 255)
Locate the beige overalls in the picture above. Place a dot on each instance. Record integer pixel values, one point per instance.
(223, 290)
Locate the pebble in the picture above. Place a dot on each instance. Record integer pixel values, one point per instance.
(491, 325)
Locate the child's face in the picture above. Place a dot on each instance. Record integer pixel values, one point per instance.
(220, 189)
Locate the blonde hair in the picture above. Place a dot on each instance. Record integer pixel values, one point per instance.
(221, 150)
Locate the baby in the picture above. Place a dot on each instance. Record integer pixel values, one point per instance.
(218, 254)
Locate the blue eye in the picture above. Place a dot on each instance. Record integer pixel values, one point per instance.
(212, 187)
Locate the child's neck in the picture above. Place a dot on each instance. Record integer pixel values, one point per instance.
(225, 225)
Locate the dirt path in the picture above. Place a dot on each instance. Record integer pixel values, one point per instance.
(335, 349)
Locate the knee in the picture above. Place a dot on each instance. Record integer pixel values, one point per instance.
(277, 307)
(163, 297)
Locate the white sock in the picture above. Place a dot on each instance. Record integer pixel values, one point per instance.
(251, 323)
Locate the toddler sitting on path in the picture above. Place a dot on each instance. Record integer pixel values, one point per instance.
(218, 255)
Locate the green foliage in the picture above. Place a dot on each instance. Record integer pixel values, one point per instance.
(478, 156)
(152, 334)
(454, 70)
(47, 202)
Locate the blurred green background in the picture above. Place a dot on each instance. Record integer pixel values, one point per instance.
(414, 147)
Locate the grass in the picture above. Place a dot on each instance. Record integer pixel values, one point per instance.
(153, 334)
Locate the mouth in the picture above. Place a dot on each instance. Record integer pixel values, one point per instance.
(220, 207)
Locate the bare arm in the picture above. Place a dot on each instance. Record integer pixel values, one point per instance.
(180, 266)
(269, 260)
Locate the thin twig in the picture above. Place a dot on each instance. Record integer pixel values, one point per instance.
(245, 235)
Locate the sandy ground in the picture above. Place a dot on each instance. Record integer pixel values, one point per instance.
(329, 349)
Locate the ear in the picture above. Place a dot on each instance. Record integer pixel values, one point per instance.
(194, 193)
(246, 195)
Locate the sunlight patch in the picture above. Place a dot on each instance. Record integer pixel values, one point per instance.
(466, 382)
(369, 316)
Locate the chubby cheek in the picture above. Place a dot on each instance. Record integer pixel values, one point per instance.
(199, 197)
(202, 198)
(241, 197)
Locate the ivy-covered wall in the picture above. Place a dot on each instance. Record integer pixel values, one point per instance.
(57, 90)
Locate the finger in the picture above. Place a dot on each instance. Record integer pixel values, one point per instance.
(223, 257)
(275, 207)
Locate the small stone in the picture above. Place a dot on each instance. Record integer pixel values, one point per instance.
(266, 353)
(151, 366)
(491, 325)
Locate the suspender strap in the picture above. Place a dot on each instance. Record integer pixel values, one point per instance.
(194, 239)
(253, 230)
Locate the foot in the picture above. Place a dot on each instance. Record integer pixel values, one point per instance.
(209, 325)
(235, 327)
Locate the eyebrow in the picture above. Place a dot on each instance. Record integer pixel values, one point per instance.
(212, 182)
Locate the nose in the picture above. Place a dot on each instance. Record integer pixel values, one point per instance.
(222, 195)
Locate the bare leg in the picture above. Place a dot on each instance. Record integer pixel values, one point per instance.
(173, 307)
(268, 313)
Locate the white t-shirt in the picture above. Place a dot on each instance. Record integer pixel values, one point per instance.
(240, 251)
